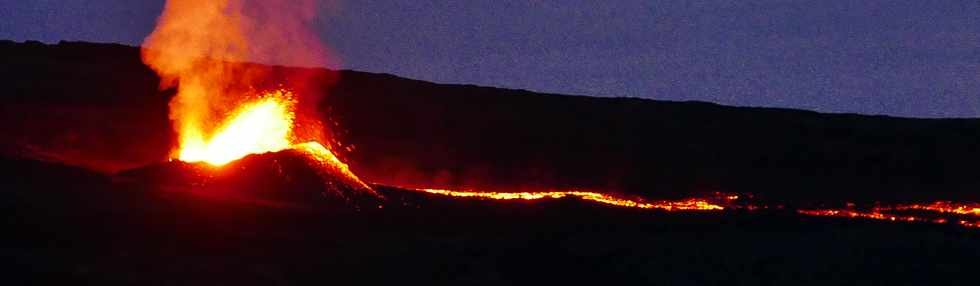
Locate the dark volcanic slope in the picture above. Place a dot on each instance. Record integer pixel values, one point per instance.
(423, 132)
(97, 106)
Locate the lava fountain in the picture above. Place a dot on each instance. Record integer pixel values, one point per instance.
(260, 126)
(218, 113)
(257, 127)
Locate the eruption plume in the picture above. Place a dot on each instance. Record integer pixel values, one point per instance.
(202, 47)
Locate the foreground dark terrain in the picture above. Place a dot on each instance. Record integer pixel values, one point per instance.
(89, 197)
(129, 229)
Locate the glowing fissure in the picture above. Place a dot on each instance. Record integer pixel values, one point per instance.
(723, 202)
(887, 213)
(680, 205)
(943, 207)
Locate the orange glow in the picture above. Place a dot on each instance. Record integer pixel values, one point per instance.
(886, 213)
(861, 214)
(199, 47)
(973, 224)
(326, 159)
(944, 207)
(262, 126)
(681, 205)
(258, 127)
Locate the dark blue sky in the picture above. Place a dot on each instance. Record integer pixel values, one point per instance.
(899, 57)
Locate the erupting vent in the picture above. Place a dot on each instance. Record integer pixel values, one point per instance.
(200, 47)
(262, 126)
(258, 127)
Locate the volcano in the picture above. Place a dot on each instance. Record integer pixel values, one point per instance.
(469, 185)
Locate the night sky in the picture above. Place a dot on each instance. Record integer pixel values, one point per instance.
(904, 58)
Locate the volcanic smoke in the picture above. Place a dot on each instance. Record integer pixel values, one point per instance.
(200, 47)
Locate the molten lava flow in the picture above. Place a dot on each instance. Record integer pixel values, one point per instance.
(325, 158)
(941, 212)
(931, 213)
(873, 214)
(944, 207)
(682, 205)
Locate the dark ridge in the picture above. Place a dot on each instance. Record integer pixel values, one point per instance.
(421, 133)
(98, 106)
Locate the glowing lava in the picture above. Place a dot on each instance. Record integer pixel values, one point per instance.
(900, 212)
(326, 159)
(944, 207)
(681, 205)
(260, 127)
